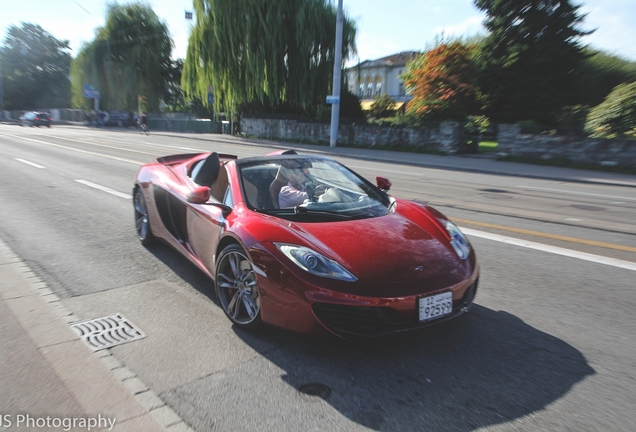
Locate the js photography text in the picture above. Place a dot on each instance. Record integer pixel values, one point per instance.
(63, 423)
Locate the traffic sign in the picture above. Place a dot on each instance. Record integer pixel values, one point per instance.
(90, 92)
(209, 98)
(333, 99)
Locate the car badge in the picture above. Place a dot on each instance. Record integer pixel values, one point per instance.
(419, 268)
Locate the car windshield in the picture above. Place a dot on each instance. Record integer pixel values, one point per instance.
(310, 189)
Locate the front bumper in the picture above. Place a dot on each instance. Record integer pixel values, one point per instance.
(376, 321)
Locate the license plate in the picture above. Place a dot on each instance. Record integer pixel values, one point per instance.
(435, 306)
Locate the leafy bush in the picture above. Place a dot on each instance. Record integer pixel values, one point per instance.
(383, 106)
(442, 83)
(477, 124)
(616, 115)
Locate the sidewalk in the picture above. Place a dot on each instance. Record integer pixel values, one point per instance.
(50, 380)
(455, 163)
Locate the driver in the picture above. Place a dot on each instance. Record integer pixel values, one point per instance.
(294, 193)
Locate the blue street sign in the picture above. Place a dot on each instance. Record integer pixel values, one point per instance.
(90, 92)
(209, 98)
(331, 99)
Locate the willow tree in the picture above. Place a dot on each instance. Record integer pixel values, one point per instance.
(274, 53)
(126, 59)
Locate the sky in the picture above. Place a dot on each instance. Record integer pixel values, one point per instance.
(384, 27)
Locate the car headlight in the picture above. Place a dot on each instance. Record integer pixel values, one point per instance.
(458, 240)
(314, 263)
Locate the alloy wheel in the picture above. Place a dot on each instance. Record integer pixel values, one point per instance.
(237, 287)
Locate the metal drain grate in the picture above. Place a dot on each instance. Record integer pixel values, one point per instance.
(102, 333)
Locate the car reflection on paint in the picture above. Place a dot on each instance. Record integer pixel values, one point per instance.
(349, 260)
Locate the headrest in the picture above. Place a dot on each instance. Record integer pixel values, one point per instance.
(208, 171)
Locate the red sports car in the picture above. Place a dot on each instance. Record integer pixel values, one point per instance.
(304, 243)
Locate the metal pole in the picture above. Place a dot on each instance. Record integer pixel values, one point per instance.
(337, 72)
(1, 89)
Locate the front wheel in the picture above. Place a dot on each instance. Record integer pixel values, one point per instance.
(142, 223)
(237, 288)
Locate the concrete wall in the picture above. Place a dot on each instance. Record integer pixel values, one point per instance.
(443, 139)
(608, 152)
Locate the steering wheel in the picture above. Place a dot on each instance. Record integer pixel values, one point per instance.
(315, 190)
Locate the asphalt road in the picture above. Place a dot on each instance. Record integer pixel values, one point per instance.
(549, 345)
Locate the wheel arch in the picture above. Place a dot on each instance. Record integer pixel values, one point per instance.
(225, 242)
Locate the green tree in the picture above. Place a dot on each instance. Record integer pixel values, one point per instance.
(442, 82)
(616, 115)
(35, 68)
(129, 57)
(350, 107)
(528, 58)
(598, 74)
(275, 53)
(174, 98)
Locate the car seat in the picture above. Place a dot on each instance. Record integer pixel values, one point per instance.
(274, 188)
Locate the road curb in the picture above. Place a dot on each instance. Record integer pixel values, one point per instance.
(97, 380)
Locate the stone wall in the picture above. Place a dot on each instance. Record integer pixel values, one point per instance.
(447, 139)
(608, 152)
(444, 139)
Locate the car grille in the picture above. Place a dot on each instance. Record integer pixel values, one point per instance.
(372, 321)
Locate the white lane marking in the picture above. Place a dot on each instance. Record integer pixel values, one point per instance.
(29, 163)
(104, 189)
(78, 150)
(552, 249)
(116, 148)
(577, 193)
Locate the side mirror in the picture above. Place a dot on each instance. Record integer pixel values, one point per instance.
(383, 183)
(199, 195)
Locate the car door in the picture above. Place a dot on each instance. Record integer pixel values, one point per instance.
(206, 222)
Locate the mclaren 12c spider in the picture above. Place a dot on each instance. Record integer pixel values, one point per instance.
(304, 243)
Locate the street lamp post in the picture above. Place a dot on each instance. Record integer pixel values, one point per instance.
(1, 89)
(337, 72)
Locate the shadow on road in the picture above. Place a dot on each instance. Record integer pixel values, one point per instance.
(484, 368)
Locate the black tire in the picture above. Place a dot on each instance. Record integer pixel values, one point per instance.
(237, 288)
(142, 222)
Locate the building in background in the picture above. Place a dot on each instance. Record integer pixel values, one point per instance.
(373, 78)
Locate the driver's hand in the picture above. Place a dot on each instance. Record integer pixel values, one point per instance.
(320, 189)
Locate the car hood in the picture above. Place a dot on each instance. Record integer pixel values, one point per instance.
(394, 248)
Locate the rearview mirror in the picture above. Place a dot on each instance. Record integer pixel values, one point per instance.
(383, 183)
(199, 195)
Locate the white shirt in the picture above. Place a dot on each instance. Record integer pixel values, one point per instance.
(289, 196)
